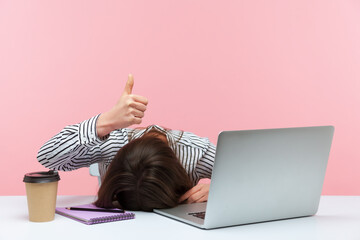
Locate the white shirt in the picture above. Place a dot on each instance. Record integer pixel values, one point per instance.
(79, 146)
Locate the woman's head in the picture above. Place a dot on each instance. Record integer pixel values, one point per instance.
(145, 174)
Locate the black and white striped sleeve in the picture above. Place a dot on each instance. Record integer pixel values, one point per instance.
(205, 165)
(74, 147)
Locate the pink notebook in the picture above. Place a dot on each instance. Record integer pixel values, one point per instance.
(88, 217)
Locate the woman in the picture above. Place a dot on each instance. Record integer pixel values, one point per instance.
(141, 169)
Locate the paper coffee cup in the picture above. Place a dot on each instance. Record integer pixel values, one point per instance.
(41, 191)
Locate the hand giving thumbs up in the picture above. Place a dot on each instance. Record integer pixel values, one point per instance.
(128, 110)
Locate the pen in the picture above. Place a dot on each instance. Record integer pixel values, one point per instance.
(95, 210)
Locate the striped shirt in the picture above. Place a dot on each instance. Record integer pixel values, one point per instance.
(78, 146)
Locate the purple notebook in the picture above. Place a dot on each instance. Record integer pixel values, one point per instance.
(88, 217)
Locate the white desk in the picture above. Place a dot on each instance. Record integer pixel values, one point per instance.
(337, 218)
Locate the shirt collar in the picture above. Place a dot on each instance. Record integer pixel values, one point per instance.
(168, 133)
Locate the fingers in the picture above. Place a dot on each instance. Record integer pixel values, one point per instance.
(204, 198)
(199, 196)
(129, 84)
(137, 109)
(130, 108)
(137, 113)
(140, 99)
(189, 193)
(128, 90)
(138, 106)
(199, 193)
(137, 120)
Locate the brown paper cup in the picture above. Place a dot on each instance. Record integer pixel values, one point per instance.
(41, 191)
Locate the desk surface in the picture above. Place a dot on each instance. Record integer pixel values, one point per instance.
(338, 218)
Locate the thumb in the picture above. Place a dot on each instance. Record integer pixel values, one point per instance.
(129, 84)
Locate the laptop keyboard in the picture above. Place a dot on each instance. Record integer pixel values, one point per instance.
(198, 214)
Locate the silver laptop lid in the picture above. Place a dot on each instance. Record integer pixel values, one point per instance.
(270, 174)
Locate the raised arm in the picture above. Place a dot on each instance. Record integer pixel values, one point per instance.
(81, 144)
(73, 147)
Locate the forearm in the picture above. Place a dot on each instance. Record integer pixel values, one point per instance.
(74, 147)
(105, 124)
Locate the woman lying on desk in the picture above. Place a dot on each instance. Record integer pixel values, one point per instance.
(142, 169)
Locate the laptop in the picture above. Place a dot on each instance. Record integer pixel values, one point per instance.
(262, 175)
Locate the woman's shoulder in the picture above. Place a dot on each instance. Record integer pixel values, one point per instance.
(190, 139)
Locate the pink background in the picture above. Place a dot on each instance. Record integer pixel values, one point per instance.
(205, 66)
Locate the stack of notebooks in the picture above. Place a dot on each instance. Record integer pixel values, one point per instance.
(90, 214)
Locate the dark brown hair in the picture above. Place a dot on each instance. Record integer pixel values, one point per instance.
(145, 174)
